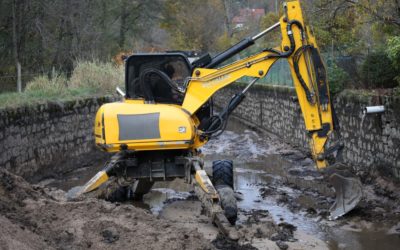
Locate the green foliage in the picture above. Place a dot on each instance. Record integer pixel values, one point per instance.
(393, 52)
(52, 34)
(88, 79)
(54, 84)
(274, 38)
(223, 42)
(396, 91)
(12, 99)
(335, 23)
(194, 25)
(337, 78)
(378, 71)
(104, 77)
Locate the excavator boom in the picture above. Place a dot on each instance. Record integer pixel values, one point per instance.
(300, 49)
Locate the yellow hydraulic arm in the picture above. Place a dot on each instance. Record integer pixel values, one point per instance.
(300, 49)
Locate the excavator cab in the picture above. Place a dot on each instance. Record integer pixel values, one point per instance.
(157, 78)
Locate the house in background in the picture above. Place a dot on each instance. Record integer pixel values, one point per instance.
(247, 15)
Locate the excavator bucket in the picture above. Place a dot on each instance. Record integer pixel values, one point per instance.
(348, 194)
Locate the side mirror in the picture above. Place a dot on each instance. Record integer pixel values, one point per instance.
(120, 92)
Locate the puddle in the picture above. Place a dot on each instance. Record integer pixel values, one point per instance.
(157, 198)
(376, 237)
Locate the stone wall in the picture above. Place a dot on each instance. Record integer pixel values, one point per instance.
(47, 135)
(55, 135)
(371, 143)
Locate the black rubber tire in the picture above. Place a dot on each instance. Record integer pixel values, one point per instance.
(223, 173)
(223, 182)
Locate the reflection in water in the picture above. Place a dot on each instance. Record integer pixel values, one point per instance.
(158, 197)
(375, 237)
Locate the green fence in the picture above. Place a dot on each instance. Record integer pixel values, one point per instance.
(279, 74)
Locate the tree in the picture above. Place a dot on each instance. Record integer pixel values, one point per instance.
(16, 46)
(194, 25)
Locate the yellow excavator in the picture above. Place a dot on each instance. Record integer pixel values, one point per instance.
(166, 116)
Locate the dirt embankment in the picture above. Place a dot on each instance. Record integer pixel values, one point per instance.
(284, 205)
(33, 217)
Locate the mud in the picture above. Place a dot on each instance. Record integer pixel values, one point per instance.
(294, 192)
(283, 204)
(34, 217)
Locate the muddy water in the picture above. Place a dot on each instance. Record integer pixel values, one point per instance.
(368, 236)
(261, 164)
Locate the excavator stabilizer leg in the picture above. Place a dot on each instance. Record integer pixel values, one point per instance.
(211, 201)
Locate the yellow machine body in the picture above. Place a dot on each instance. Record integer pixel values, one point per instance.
(136, 126)
(166, 113)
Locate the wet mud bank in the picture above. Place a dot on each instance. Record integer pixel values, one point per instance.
(283, 202)
(37, 217)
(283, 181)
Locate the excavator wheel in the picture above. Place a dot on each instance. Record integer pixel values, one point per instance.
(223, 173)
(223, 183)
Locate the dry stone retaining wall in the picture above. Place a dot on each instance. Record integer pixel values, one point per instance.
(50, 134)
(371, 143)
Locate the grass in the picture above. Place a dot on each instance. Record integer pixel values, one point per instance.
(88, 79)
(13, 99)
(94, 78)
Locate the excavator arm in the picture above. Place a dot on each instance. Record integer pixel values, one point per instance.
(300, 49)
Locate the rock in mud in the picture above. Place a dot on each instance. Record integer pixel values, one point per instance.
(285, 233)
(223, 243)
(282, 245)
(110, 235)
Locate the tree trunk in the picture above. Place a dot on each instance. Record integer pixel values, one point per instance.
(15, 48)
(123, 29)
(227, 19)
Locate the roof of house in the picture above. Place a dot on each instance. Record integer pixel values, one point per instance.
(248, 14)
